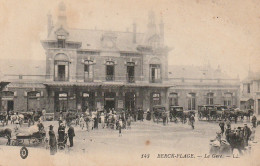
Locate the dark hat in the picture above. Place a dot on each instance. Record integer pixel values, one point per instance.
(51, 126)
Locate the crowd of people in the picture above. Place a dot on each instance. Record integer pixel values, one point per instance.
(238, 137)
(119, 120)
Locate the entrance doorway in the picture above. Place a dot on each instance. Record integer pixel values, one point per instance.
(109, 101)
(10, 105)
(130, 101)
(61, 101)
(88, 101)
(7, 102)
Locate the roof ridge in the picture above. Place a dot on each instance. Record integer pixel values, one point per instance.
(103, 30)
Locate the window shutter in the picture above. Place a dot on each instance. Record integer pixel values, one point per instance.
(15, 93)
(25, 94)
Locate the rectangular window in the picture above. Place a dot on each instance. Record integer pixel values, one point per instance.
(61, 41)
(155, 73)
(228, 99)
(173, 99)
(210, 99)
(110, 72)
(88, 73)
(191, 101)
(61, 71)
(130, 74)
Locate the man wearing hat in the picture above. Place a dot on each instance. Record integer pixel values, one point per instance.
(71, 134)
(247, 133)
(52, 141)
(254, 121)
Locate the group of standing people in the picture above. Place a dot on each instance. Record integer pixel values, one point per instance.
(62, 137)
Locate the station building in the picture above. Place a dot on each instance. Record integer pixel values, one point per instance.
(202, 85)
(250, 98)
(88, 69)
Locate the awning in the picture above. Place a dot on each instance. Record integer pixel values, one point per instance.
(107, 84)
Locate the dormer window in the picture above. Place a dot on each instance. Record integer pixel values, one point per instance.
(61, 41)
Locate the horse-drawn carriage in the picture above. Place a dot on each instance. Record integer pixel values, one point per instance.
(176, 113)
(209, 112)
(33, 136)
(71, 116)
(158, 112)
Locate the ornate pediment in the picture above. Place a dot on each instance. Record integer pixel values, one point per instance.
(62, 32)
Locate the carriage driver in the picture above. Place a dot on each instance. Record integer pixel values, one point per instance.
(40, 126)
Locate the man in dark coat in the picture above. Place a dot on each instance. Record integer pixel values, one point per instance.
(254, 121)
(247, 133)
(222, 125)
(52, 141)
(71, 134)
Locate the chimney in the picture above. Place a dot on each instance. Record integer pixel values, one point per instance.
(134, 32)
(62, 17)
(162, 31)
(49, 24)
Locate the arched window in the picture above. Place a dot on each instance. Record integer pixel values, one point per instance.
(61, 67)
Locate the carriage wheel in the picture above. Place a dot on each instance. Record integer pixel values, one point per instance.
(24, 152)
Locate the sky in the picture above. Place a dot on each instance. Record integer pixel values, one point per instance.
(199, 32)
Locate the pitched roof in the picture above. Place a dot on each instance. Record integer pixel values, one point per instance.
(22, 66)
(91, 39)
(252, 76)
(195, 72)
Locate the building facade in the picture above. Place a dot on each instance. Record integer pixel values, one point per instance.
(202, 85)
(250, 87)
(89, 69)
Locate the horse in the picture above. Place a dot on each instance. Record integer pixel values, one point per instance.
(6, 133)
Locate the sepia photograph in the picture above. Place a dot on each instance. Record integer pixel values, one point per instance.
(129, 82)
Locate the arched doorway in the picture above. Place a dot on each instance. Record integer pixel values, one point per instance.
(61, 67)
